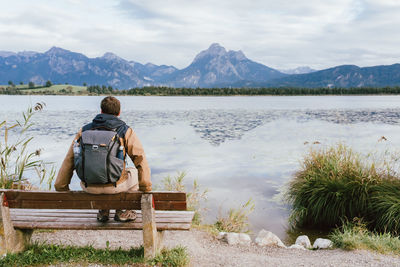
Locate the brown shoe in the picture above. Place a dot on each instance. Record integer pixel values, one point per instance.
(102, 216)
(125, 216)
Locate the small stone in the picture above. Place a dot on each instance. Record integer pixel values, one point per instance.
(244, 239)
(232, 238)
(267, 238)
(322, 243)
(296, 246)
(304, 241)
(221, 235)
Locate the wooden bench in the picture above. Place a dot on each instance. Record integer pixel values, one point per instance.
(23, 211)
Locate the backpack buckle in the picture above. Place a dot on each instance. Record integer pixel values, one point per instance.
(95, 147)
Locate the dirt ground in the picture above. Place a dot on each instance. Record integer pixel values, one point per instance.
(205, 250)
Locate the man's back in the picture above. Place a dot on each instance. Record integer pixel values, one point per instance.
(131, 179)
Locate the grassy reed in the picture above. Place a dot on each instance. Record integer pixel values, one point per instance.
(237, 219)
(384, 210)
(16, 162)
(336, 184)
(194, 197)
(356, 236)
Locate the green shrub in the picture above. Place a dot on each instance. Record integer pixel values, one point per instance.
(237, 220)
(336, 184)
(356, 236)
(384, 209)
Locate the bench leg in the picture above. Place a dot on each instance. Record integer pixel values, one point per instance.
(160, 238)
(11, 240)
(150, 235)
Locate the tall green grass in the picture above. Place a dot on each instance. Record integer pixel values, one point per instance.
(337, 184)
(384, 207)
(356, 236)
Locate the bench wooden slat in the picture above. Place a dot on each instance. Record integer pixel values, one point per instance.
(97, 204)
(82, 211)
(83, 200)
(90, 213)
(86, 219)
(80, 195)
(98, 226)
(178, 216)
(90, 220)
(181, 218)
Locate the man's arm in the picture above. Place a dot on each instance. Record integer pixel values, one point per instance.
(67, 168)
(136, 153)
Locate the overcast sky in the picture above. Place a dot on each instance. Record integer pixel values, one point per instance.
(280, 34)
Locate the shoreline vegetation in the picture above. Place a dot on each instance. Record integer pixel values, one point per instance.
(354, 196)
(66, 89)
(336, 185)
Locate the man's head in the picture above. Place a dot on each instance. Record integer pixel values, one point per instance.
(110, 105)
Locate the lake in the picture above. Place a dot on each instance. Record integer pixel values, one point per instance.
(237, 147)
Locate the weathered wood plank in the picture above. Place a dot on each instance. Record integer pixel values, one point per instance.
(170, 205)
(98, 226)
(93, 219)
(75, 204)
(87, 211)
(91, 215)
(95, 204)
(80, 195)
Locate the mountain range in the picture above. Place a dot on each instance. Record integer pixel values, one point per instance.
(213, 67)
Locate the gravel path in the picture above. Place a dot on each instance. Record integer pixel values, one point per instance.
(205, 250)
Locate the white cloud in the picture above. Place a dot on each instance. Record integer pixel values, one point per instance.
(280, 34)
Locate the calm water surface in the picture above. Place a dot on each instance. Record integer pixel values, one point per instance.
(237, 147)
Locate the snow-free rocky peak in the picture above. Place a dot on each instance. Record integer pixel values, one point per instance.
(57, 51)
(215, 50)
(112, 57)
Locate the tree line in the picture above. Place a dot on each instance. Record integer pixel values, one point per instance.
(170, 91)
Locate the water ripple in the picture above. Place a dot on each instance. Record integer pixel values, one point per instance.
(215, 126)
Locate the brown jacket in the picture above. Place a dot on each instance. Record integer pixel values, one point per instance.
(133, 149)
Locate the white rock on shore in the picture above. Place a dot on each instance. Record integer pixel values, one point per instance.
(235, 238)
(304, 241)
(321, 243)
(244, 239)
(295, 246)
(267, 238)
(221, 235)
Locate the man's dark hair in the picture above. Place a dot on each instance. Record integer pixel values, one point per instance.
(110, 105)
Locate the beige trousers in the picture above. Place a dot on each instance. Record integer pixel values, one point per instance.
(131, 184)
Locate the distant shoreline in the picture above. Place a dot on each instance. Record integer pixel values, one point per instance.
(74, 90)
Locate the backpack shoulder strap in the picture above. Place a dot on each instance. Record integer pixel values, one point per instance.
(87, 127)
(121, 131)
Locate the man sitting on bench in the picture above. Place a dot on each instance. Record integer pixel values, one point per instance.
(98, 155)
